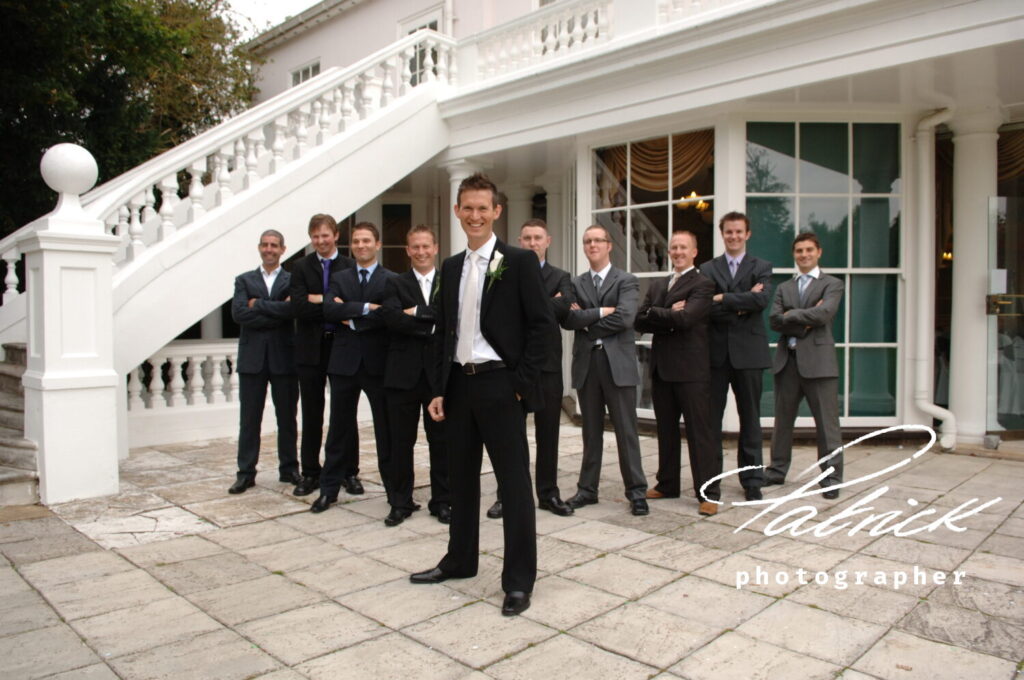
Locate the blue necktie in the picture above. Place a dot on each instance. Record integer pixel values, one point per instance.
(363, 274)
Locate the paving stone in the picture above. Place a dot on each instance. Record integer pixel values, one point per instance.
(561, 603)
(370, 505)
(301, 634)
(548, 523)
(93, 596)
(221, 654)
(95, 672)
(193, 492)
(660, 521)
(1002, 544)
(254, 535)
(965, 628)
(392, 657)
(796, 553)
(24, 610)
(170, 551)
(17, 513)
(337, 517)
(144, 527)
(601, 535)
(43, 652)
(710, 603)
(672, 553)
(968, 540)
(988, 597)
(149, 459)
(646, 634)
(813, 632)
(294, 555)
(995, 568)
(716, 535)
(284, 674)
(346, 575)
(423, 523)
(1013, 526)
(47, 545)
(621, 575)
(191, 576)
(880, 574)
(737, 657)
(567, 658)
(132, 630)
(148, 479)
(239, 602)
(74, 568)
(252, 506)
(555, 555)
(899, 656)
(907, 549)
(478, 635)
(862, 602)
(486, 583)
(762, 576)
(362, 538)
(413, 556)
(400, 603)
(129, 501)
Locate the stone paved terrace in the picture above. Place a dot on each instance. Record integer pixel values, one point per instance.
(175, 579)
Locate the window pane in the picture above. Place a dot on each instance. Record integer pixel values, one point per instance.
(295, 79)
(773, 229)
(396, 221)
(650, 240)
(610, 177)
(615, 223)
(872, 381)
(315, 70)
(648, 171)
(697, 218)
(873, 300)
(824, 158)
(771, 167)
(876, 232)
(827, 218)
(876, 158)
(693, 164)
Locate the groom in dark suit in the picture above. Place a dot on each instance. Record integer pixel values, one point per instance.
(739, 346)
(260, 307)
(494, 321)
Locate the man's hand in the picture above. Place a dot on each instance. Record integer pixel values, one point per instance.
(758, 287)
(315, 298)
(677, 306)
(557, 295)
(436, 409)
(338, 300)
(718, 297)
(373, 306)
(411, 311)
(252, 301)
(575, 307)
(346, 322)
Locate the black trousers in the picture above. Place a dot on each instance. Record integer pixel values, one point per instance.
(692, 400)
(746, 386)
(547, 422)
(482, 410)
(252, 394)
(404, 408)
(341, 452)
(312, 383)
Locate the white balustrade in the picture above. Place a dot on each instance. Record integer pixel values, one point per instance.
(677, 10)
(187, 384)
(11, 257)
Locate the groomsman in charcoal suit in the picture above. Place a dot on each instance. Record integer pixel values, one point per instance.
(739, 346)
(604, 369)
(533, 235)
(357, 364)
(805, 362)
(408, 379)
(265, 355)
(494, 321)
(314, 338)
(676, 311)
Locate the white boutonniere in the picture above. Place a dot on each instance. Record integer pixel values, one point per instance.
(495, 269)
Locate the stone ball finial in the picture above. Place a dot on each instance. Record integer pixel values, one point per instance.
(69, 169)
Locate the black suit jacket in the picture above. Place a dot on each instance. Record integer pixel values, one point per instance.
(737, 330)
(307, 279)
(514, 318)
(267, 337)
(367, 343)
(679, 351)
(413, 344)
(556, 281)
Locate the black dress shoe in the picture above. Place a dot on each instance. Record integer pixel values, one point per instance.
(290, 478)
(831, 495)
(307, 486)
(753, 493)
(434, 575)
(396, 516)
(321, 504)
(556, 505)
(241, 484)
(773, 481)
(494, 512)
(578, 501)
(352, 485)
(443, 513)
(638, 506)
(516, 602)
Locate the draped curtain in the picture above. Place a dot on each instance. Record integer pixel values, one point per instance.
(691, 153)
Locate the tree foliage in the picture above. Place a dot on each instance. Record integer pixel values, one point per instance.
(126, 79)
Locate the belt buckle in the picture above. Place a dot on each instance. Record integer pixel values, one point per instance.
(471, 369)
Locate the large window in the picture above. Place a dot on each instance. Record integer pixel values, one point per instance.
(303, 74)
(842, 182)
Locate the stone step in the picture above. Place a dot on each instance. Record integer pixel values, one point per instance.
(10, 378)
(18, 487)
(16, 451)
(15, 353)
(12, 412)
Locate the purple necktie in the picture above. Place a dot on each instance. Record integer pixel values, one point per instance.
(327, 283)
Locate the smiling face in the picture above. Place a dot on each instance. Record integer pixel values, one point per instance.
(271, 251)
(364, 247)
(597, 247)
(682, 249)
(421, 249)
(476, 212)
(536, 239)
(806, 255)
(324, 240)
(735, 234)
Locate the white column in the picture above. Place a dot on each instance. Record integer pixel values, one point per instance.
(555, 217)
(457, 171)
(71, 400)
(974, 182)
(520, 207)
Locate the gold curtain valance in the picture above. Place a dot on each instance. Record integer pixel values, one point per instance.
(691, 153)
(1011, 154)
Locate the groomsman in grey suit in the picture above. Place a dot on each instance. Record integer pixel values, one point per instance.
(604, 368)
(739, 346)
(266, 354)
(805, 362)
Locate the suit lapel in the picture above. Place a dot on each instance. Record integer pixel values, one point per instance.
(450, 287)
(489, 284)
(587, 288)
(746, 266)
(279, 283)
(606, 285)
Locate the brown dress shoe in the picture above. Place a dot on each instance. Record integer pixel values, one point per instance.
(708, 508)
(654, 493)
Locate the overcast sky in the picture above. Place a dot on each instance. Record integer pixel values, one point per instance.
(255, 16)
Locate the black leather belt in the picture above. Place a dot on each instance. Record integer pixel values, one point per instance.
(597, 347)
(483, 367)
(328, 334)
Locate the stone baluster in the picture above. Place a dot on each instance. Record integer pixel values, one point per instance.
(277, 160)
(366, 109)
(324, 133)
(238, 165)
(135, 400)
(603, 26)
(233, 381)
(110, 224)
(387, 88)
(550, 40)
(453, 67)
(123, 215)
(135, 243)
(301, 116)
(428, 61)
(195, 381)
(443, 63)
(168, 201)
(215, 392)
(157, 399)
(222, 160)
(577, 30)
(512, 63)
(253, 150)
(348, 108)
(11, 258)
(196, 189)
(407, 55)
(176, 385)
(148, 209)
(316, 110)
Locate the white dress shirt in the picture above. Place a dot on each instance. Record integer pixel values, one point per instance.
(426, 282)
(482, 350)
(270, 278)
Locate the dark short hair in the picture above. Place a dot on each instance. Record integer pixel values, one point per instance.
(322, 219)
(535, 222)
(367, 226)
(477, 182)
(607, 234)
(807, 236)
(733, 216)
(276, 234)
(420, 229)
(688, 233)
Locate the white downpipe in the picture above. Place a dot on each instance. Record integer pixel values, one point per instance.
(924, 145)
